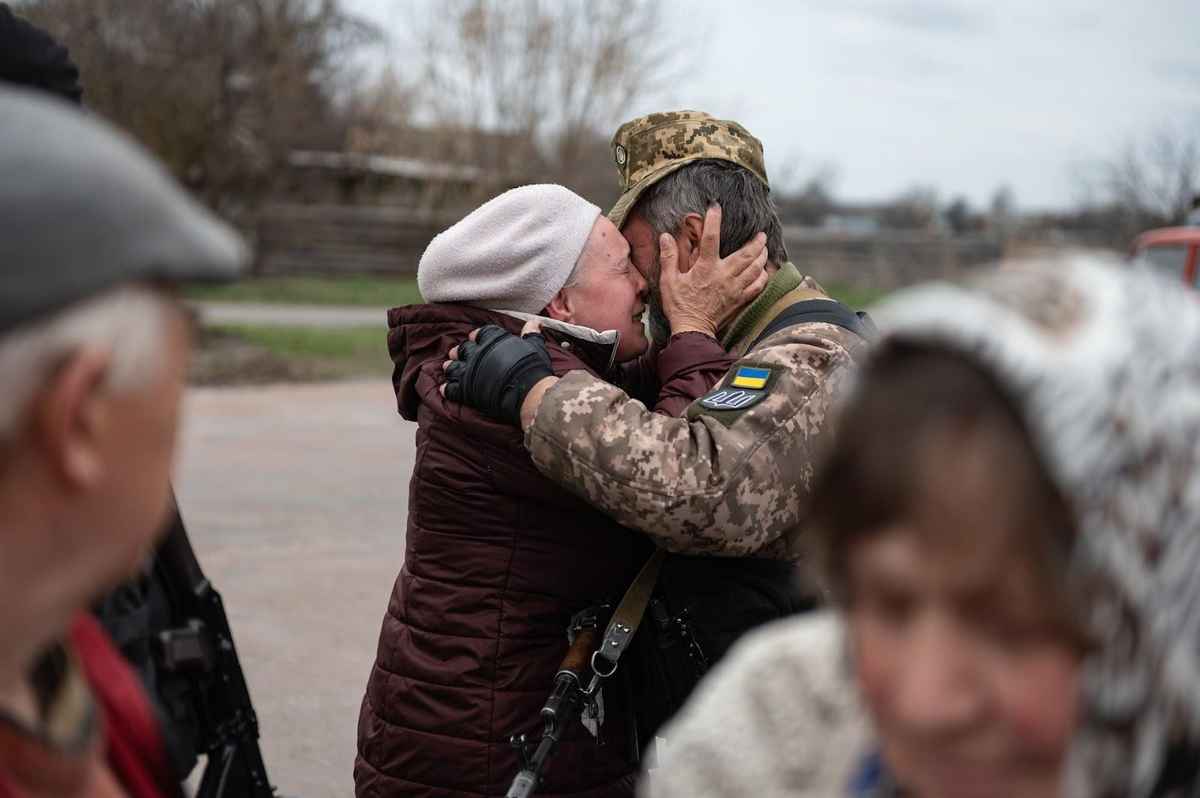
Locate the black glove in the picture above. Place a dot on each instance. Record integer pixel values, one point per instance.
(494, 372)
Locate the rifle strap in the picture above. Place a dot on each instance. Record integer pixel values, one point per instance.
(627, 617)
(825, 311)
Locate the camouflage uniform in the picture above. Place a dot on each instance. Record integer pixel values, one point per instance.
(727, 478)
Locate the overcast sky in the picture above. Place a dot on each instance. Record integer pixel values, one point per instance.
(963, 95)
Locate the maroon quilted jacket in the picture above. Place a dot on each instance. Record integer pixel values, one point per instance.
(497, 560)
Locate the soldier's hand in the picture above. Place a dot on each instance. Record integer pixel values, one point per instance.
(494, 371)
(710, 293)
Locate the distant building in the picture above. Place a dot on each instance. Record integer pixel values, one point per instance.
(373, 207)
(358, 179)
(857, 224)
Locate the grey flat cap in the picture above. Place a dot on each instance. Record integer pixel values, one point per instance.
(84, 209)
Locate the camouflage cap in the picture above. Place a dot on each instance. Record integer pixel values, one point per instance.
(649, 148)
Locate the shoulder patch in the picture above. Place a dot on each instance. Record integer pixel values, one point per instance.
(742, 388)
(732, 398)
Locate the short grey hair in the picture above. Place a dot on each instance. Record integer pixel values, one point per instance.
(130, 322)
(746, 204)
(576, 275)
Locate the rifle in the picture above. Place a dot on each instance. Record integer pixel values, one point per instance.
(201, 651)
(569, 696)
(566, 701)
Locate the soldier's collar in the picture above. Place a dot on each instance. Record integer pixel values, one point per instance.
(788, 278)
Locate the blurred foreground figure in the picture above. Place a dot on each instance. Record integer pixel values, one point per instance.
(167, 621)
(94, 351)
(1010, 520)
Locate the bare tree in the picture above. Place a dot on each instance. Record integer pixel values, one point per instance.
(1158, 178)
(220, 90)
(915, 209)
(379, 113)
(959, 216)
(535, 87)
(804, 201)
(1002, 213)
(1149, 182)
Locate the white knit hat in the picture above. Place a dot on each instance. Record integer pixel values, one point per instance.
(514, 252)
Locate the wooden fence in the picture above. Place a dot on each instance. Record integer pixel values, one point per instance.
(335, 239)
(887, 260)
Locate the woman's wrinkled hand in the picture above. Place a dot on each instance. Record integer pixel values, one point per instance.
(715, 289)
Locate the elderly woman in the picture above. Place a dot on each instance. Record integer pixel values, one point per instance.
(1012, 537)
(497, 558)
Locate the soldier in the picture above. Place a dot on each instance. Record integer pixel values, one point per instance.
(730, 477)
(93, 348)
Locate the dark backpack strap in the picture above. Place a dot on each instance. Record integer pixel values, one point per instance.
(823, 311)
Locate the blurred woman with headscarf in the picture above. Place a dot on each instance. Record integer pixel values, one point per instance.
(1010, 527)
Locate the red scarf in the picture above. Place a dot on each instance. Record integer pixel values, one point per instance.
(128, 748)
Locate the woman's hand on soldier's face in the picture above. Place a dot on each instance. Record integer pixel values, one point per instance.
(714, 290)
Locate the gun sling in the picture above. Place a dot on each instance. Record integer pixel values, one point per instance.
(827, 311)
(627, 617)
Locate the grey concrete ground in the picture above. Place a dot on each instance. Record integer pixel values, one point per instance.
(295, 497)
(290, 315)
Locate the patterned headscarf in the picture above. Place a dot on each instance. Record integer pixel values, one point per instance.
(1104, 363)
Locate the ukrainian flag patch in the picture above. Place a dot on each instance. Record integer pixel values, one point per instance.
(750, 377)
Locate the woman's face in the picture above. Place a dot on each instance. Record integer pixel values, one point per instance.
(958, 646)
(609, 293)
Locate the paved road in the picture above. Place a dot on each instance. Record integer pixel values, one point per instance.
(295, 497)
(291, 315)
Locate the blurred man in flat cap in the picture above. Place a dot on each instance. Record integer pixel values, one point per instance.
(93, 348)
(723, 486)
(151, 618)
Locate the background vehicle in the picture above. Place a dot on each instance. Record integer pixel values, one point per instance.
(1171, 250)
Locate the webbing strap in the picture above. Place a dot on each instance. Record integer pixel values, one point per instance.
(627, 617)
(736, 338)
(825, 311)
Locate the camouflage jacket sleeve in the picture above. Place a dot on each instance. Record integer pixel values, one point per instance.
(731, 483)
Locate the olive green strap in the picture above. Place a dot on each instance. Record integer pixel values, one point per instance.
(627, 617)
